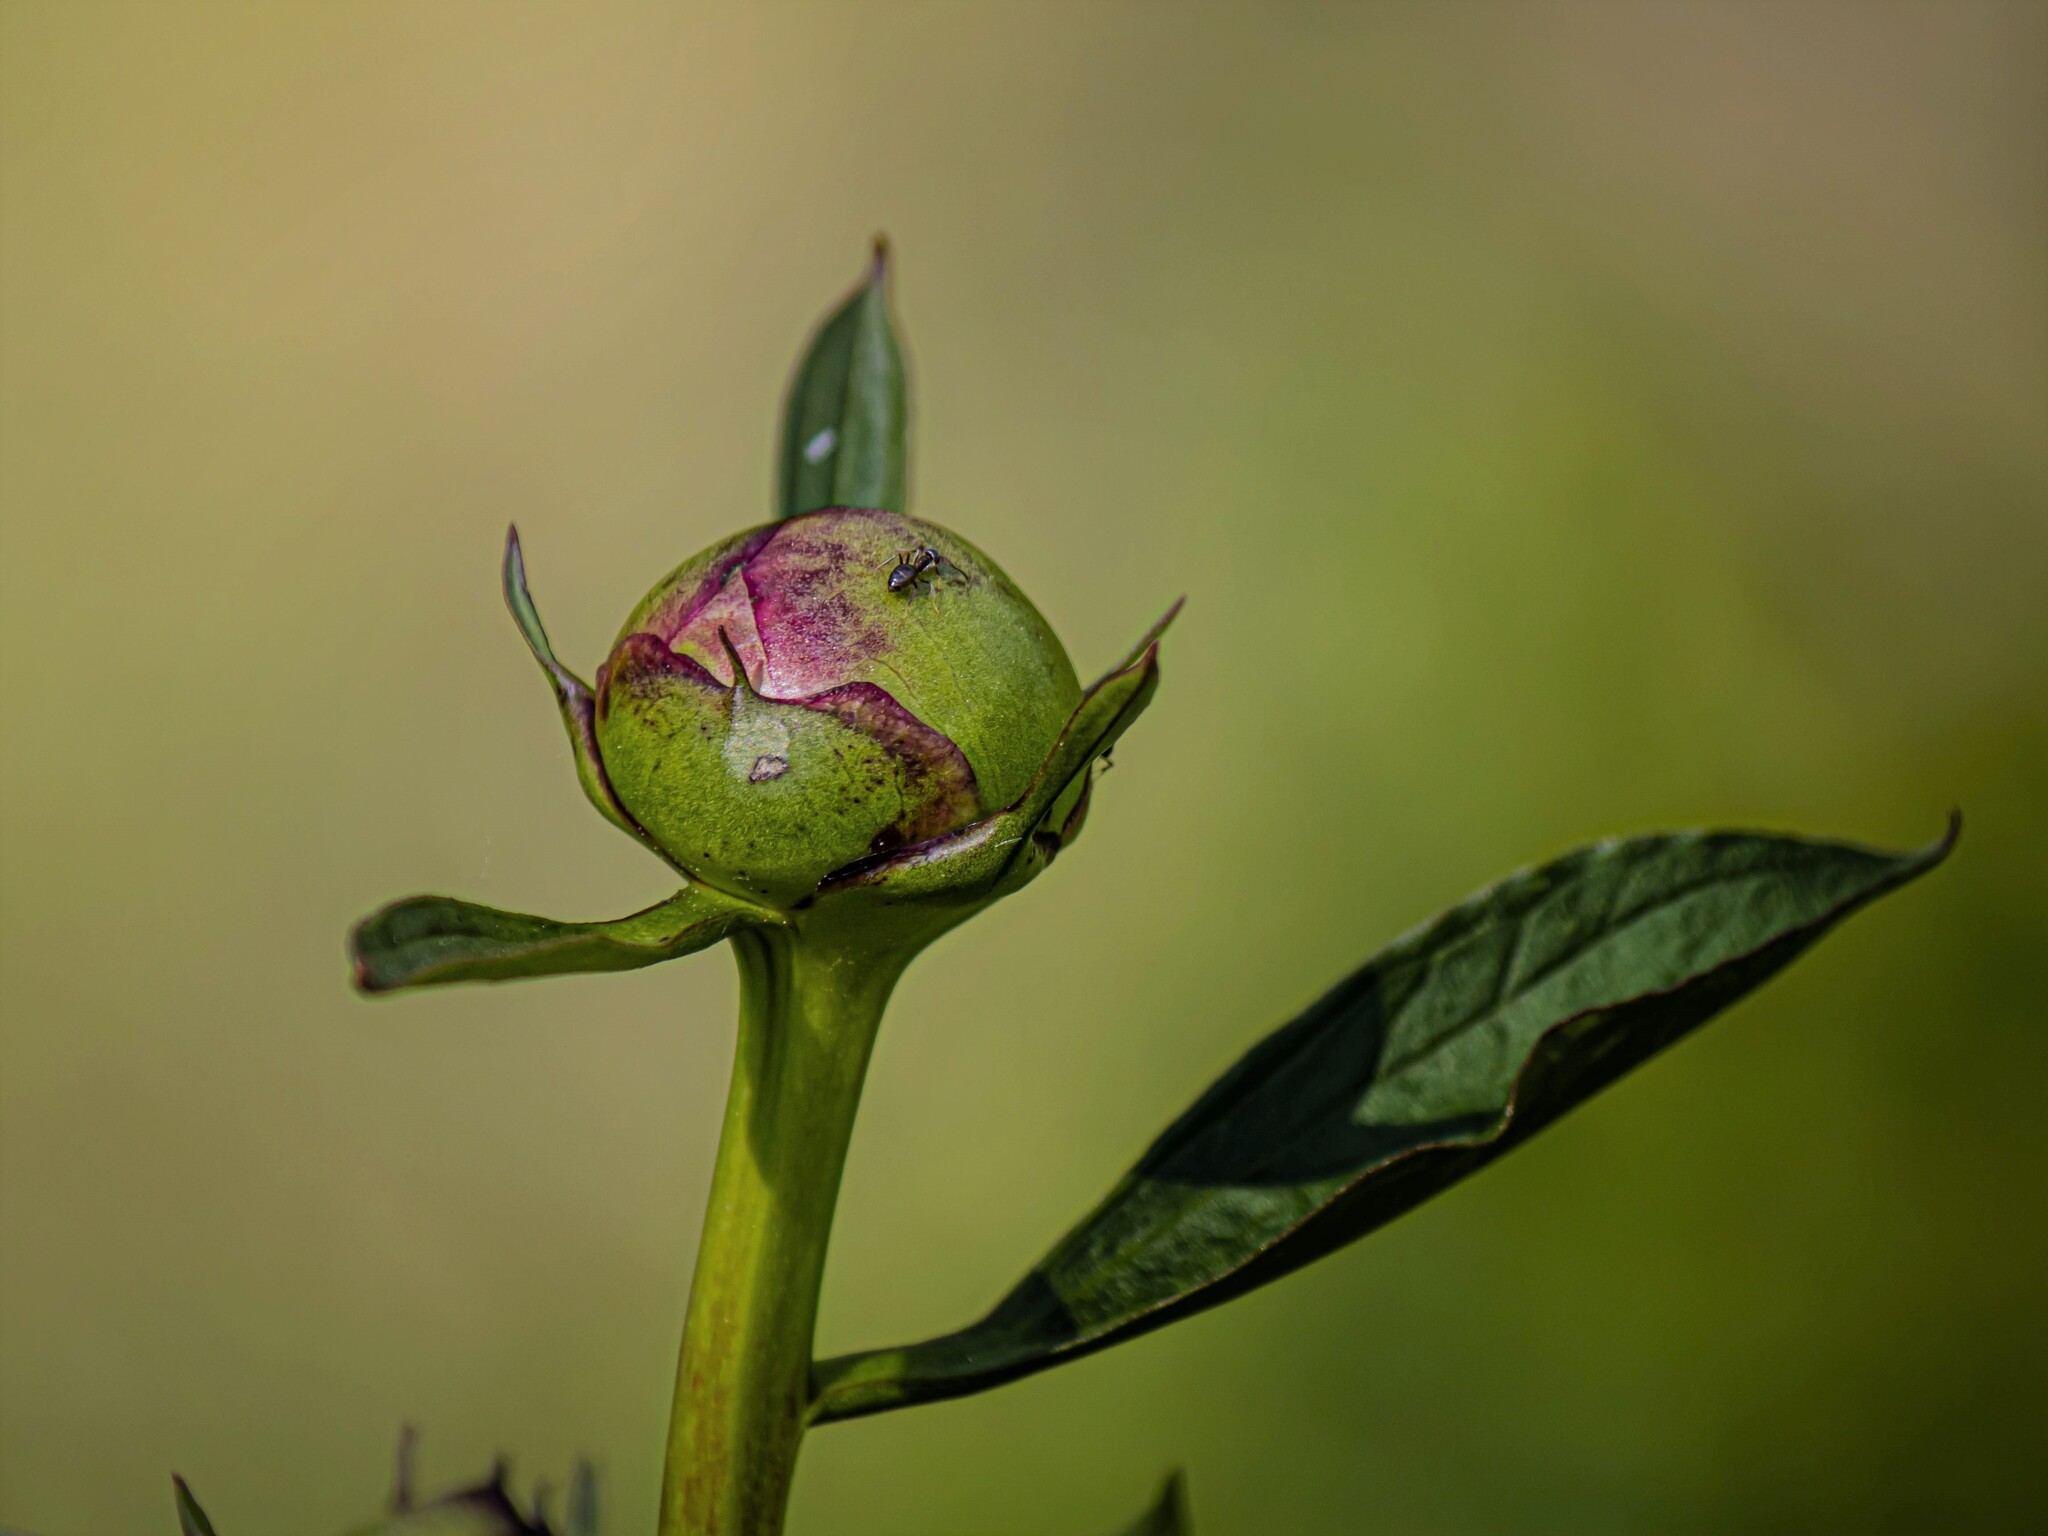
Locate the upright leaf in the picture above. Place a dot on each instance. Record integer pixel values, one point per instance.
(1444, 1051)
(846, 422)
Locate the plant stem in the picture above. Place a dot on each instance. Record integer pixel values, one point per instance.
(810, 1005)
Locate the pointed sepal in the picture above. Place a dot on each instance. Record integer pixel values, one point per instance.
(572, 696)
(430, 941)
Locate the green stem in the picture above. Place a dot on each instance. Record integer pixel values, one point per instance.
(809, 1010)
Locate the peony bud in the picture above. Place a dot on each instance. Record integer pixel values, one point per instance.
(823, 690)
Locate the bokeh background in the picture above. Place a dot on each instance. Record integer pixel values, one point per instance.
(1564, 420)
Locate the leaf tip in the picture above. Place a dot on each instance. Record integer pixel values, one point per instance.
(1936, 853)
(370, 938)
(192, 1519)
(361, 974)
(1145, 654)
(878, 267)
(1166, 618)
(512, 568)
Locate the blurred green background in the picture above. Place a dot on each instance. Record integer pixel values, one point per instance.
(1564, 420)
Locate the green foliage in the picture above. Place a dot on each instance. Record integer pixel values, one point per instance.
(430, 941)
(1447, 1049)
(846, 422)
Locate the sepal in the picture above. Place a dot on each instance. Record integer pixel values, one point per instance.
(572, 696)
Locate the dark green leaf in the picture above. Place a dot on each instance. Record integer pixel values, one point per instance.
(192, 1519)
(1168, 1515)
(1455, 1044)
(427, 941)
(846, 422)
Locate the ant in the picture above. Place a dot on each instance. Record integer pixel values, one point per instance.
(923, 564)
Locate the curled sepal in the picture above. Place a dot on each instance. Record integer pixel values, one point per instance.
(192, 1519)
(430, 941)
(1449, 1048)
(572, 696)
(1001, 853)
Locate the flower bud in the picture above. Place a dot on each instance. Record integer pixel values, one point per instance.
(822, 690)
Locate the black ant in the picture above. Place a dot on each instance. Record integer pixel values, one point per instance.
(923, 564)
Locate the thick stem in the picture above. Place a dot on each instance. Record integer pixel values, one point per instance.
(809, 1009)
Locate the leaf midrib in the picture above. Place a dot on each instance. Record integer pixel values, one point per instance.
(1499, 1003)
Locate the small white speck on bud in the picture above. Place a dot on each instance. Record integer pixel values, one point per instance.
(816, 449)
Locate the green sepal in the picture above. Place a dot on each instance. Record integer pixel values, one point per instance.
(1168, 1515)
(846, 420)
(572, 696)
(1449, 1048)
(431, 941)
(1004, 852)
(192, 1519)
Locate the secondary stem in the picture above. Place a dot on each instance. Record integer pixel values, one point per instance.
(809, 1009)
